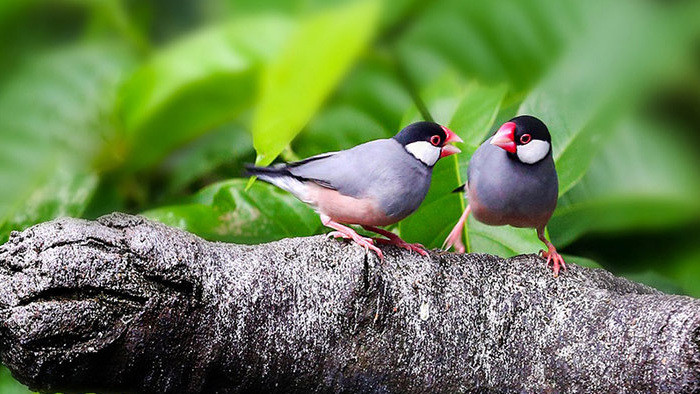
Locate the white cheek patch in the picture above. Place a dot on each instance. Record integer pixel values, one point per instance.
(424, 151)
(533, 152)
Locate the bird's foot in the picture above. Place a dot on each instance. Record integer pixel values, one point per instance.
(455, 236)
(366, 243)
(555, 259)
(394, 239)
(418, 248)
(455, 239)
(338, 234)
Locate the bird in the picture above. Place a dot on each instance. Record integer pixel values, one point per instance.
(512, 180)
(377, 183)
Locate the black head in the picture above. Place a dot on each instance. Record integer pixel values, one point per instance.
(428, 141)
(525, 138)
(422, 131)
(526, 124)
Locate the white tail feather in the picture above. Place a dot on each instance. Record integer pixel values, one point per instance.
(298, 188)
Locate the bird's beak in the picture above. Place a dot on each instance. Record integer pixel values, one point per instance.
(505, 138)
(448, 150)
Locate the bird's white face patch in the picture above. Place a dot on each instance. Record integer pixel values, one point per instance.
(533, 152)
(425, 152)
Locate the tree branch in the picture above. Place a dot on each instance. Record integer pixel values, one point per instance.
(125, 304)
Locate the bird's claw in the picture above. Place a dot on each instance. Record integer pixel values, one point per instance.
(415, 247)
(418, 248)
(454, 239)
(455, 236)
(366, 243)
(338, 234)
(555, 259)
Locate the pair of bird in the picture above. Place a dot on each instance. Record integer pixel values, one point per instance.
(511, 181)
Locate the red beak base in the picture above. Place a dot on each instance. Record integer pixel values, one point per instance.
(505, 138)
(448, 150)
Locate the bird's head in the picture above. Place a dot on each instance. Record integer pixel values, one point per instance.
(428, 141)
(525, 138)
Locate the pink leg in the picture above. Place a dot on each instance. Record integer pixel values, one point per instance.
(551, 254)
(455, 237)
(396, 240)
(348, 233)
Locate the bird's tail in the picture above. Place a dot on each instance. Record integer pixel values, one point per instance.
(460, 189)
(260, 172)
(280, 176)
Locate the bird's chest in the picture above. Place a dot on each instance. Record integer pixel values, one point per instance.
(513, 193)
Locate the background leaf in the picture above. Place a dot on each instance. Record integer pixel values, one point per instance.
(227, 212)
(195, 84)
(229, 146)
(368, 105)
(56, 144)
(580, 105)
(9, 386)
(466, 37)
(627, 186)
(313, 62)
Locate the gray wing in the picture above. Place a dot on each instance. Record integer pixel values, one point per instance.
(380, 169)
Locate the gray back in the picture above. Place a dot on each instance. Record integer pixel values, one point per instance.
(380, 169)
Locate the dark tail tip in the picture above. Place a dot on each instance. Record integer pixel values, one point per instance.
(460, 189)
(252, 170)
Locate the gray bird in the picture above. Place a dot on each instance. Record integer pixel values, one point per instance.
(512, 181)
(373, 184)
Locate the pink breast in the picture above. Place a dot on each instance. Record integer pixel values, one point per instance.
(346, 209)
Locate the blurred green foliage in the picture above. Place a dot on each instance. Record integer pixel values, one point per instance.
(147, 107)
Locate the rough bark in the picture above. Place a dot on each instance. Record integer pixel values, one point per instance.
(125, 304)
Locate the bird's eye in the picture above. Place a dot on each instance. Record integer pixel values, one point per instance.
(525, 138)
(435, 140)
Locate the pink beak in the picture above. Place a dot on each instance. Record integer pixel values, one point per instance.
(448, 150)
(505, 137)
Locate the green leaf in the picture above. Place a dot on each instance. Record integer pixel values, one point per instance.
(34, 26)
(229, 146)
(582, 261)
(664, 283)
(369, 105)
(684, 269)
(581, 104)
(491, 41)
(314, 61)
(10, 386)
(196, 84)
(292, 7)
(474, 118)
(336, 128)
(61, 192)
(227, 212)
(644, 178)
(469, 110)
(504, 241)
(55, 113)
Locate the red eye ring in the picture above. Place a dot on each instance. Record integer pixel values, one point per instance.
(525, 139)
(435, 140)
